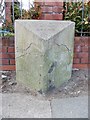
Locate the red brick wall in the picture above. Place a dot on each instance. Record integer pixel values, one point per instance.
(51, 10)
(7, 54)
(81, 50)
(8, 11)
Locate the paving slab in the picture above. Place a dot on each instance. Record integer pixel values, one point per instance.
(0, 106)
(76, 107)
(24, 106)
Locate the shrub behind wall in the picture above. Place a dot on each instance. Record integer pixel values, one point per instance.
(74, 13)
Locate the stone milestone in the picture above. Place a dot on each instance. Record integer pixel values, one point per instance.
(44, 53)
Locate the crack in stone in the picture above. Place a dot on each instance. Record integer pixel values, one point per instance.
(22, 55)
(52, 67)
(51, 85)
(28, 47)
(64, 46)
(25, 51)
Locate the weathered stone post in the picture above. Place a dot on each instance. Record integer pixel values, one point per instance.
(44, 53)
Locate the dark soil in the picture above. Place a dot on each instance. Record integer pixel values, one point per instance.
(76, 86)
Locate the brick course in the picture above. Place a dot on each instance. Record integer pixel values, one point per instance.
(81, 53)
(8, 11)
(7, 54)
(51, 10)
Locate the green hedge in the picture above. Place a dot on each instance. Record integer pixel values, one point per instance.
(73, 12)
